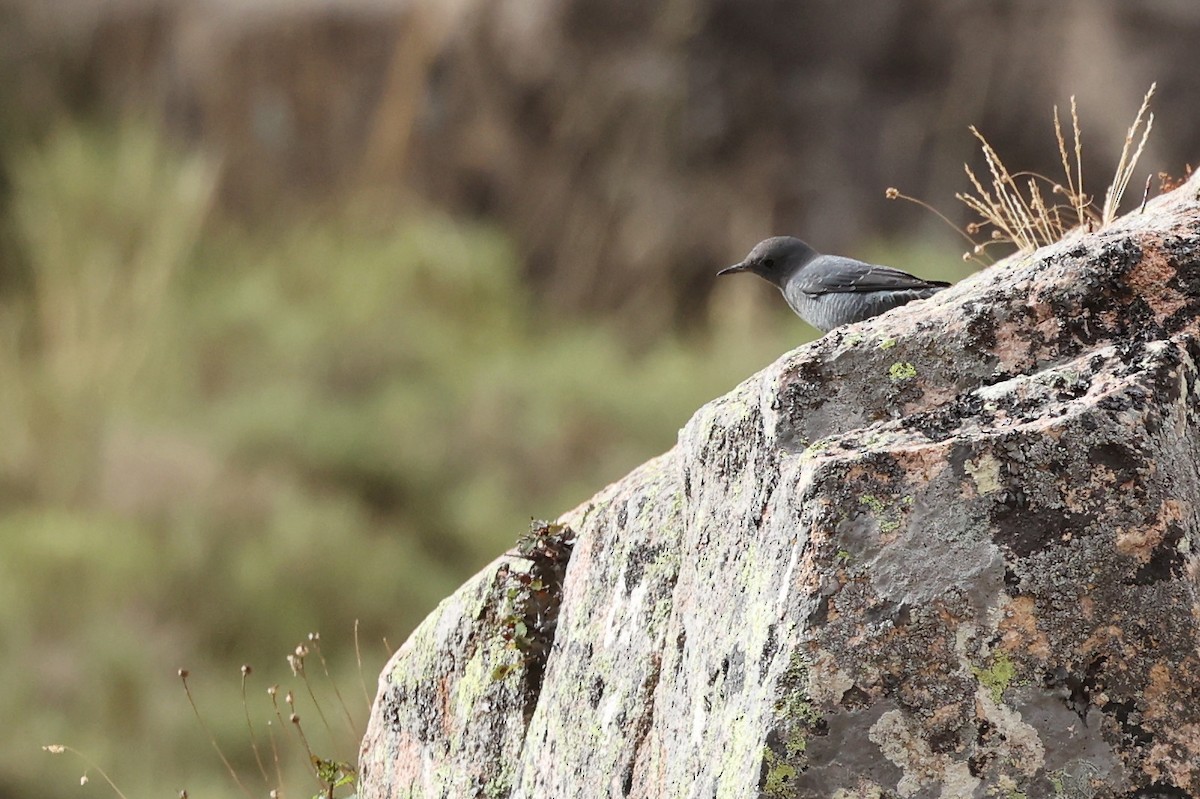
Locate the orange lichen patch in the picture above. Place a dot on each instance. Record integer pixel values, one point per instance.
(943, 715)
(1019, 630)
(446, 687)
(949, 618)
(1151, 276)
(923, 464)
(1100, 637)
(858, 472)
(1047, 327)
(934, 395)
(1075, 499)
(1178, 758)
(1013, 338)
(1013, 347)
(1140, 543)
(1170, 693)
(406, 759)
(1160, 691)
(808, 576)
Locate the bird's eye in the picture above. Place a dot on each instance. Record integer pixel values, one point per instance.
(768, 262)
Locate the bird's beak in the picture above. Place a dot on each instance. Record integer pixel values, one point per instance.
(729, 270)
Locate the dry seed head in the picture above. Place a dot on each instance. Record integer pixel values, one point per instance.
(246, 670)
(291, 700)
(274, 689)
(891, 193)
(55, 749)
(83, 780)
(183, 674)
(294, 718)
(314, 636)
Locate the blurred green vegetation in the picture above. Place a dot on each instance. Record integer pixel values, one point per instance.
(219, 436)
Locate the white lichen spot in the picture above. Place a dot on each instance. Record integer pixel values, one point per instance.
(633, 625)
(958, 782)
(827, 682)
(429, 770)
(786, 583)
(1018, 743)
(699, 717)
(867, 790)
(985, 471)
(905, 750)
(614, 607)
(612, 705)
(901, 742)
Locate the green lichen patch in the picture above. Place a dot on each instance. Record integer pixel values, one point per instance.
(902, 370)
(998, 676)
(887, 517)
(874, 503)
(816, 448)
(778, 776)
(784, 757)
(886, 342)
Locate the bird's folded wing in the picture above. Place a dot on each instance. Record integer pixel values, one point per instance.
(833, 275)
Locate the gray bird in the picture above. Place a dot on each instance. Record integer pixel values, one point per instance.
(829, 291)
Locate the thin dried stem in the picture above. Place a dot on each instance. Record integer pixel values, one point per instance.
(58, 749)
(246, 671)
(1022, 216)
(274, 745)
(1008, 195)
(314, 640)
(183, 677)
(298, 668)
(358, 657)
(1128, 162)
(891, 194)
(1081, 198)
(1062, 151)
(294, 718)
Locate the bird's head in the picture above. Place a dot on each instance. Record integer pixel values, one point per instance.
(774, 260)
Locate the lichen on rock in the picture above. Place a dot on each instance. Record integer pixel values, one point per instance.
(961, 564)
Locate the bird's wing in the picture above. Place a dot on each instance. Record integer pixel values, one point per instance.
(830, 274)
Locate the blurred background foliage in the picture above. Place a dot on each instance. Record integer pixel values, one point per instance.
(307, 308)
(220, 437)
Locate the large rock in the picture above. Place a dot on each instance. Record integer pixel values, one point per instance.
(947, 552)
